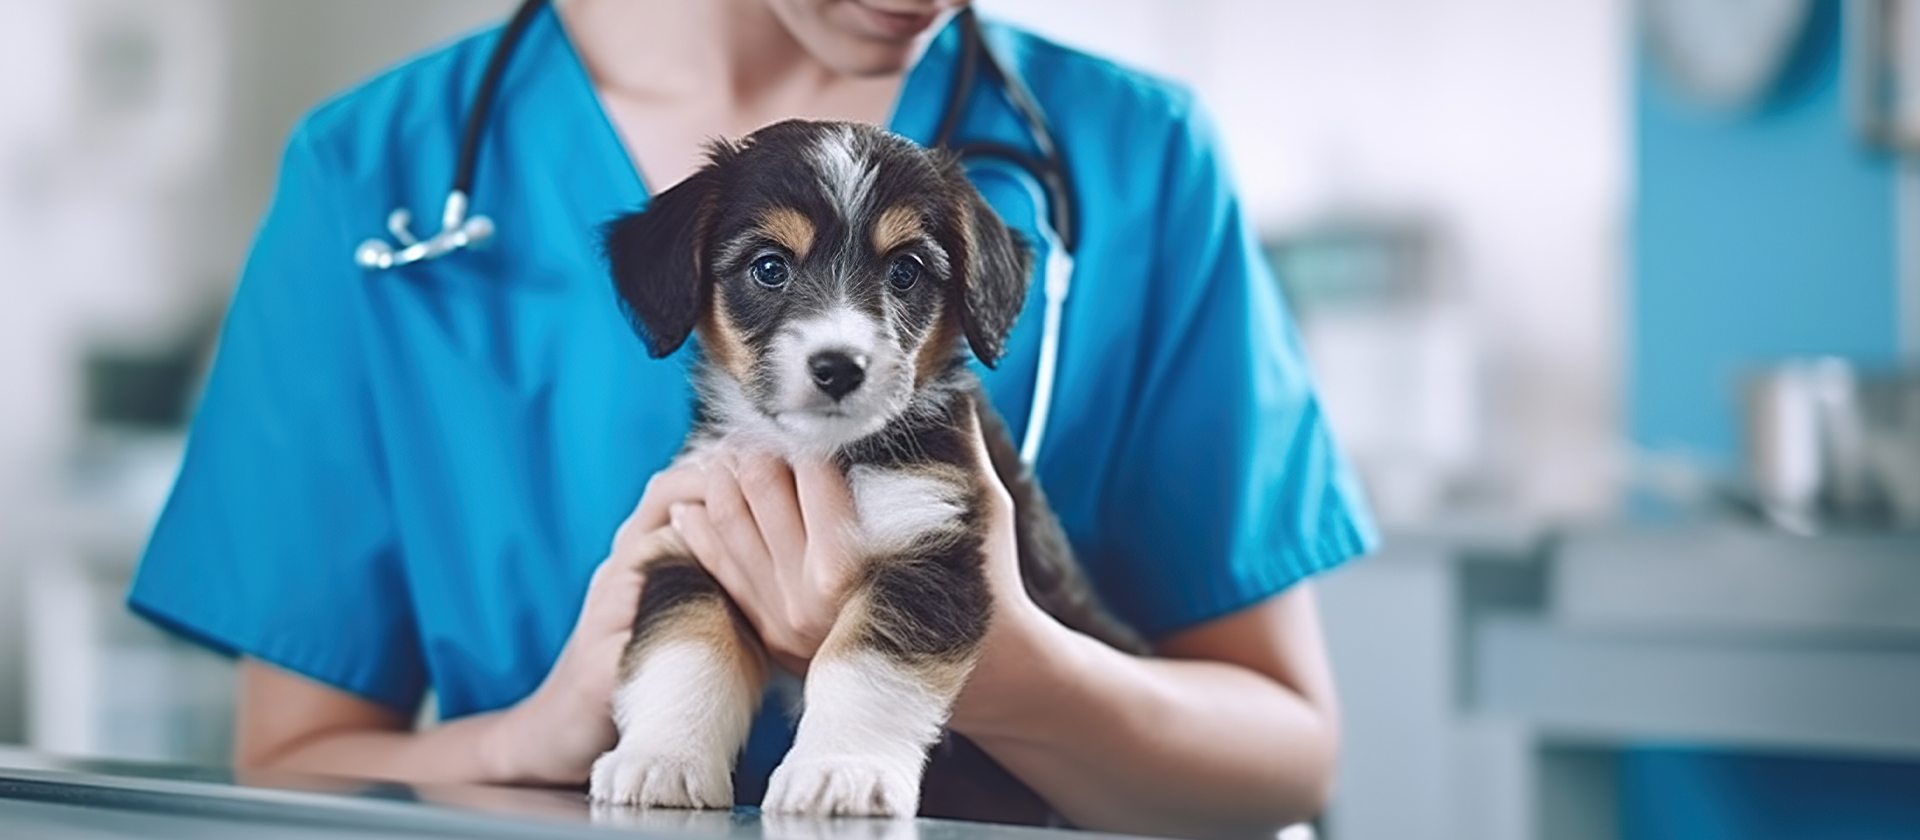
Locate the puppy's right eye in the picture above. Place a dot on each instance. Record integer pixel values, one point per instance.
(770, 271)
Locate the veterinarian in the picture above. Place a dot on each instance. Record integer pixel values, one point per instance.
(411, 480)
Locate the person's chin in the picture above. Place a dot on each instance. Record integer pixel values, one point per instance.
(898, 27)
(866, 58)
(887, 64)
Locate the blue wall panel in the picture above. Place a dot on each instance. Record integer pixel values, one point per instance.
(1756, 236)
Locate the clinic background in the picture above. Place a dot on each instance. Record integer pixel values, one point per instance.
(1530, 267)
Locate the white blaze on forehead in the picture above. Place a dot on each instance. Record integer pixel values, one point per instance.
(847, 177)
(840, 328)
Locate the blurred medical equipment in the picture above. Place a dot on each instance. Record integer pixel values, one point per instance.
(1883, 72)
(1727, 56)
(1829, 446)
(1048, 172)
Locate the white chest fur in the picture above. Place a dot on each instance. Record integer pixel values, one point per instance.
(897, 507)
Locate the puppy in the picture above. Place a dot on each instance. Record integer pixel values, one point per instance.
(835, 275)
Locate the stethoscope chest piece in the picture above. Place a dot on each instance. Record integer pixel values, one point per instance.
(457, 230)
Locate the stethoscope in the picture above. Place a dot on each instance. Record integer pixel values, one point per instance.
(1048, 179)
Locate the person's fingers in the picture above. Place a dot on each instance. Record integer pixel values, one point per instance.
(732, 519)
(768, 485)
(815, 589)
(826, 504)
(681, 482)
(997, 494)
(696, 527)
(613, 593)
(601, 608)
(697, 530)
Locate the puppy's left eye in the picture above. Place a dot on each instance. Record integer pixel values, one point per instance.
(904, 272)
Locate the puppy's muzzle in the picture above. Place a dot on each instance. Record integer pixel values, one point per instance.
(835, 373)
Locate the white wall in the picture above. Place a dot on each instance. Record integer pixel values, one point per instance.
(138, 143)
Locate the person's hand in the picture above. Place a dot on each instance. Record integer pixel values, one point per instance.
(1001, 546)
(554, 735)
(780, 539)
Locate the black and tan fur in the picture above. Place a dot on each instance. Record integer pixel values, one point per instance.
(892, 267)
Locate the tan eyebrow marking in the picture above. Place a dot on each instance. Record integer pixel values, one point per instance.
(789, 227)
(897, 226)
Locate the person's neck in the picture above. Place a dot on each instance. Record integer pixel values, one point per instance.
(731, 59)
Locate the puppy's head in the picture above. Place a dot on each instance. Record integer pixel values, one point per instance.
(831, 270)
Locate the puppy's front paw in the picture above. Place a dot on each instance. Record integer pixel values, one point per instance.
(854, 786)
(657, 780)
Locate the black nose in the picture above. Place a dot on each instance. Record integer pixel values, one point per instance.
(835, 373)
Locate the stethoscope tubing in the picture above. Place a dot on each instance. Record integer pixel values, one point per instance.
(1050, 168)
(483, 98)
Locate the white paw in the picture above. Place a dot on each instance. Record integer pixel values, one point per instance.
(654, 780)
(853, 786)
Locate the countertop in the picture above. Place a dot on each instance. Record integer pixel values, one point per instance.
(1490, 674)
(48, 797)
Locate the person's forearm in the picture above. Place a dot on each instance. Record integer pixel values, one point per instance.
(484, 748)
(1150, 746)
(450, 753)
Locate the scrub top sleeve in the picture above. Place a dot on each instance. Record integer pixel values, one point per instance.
(1227, 486)
(278, 541)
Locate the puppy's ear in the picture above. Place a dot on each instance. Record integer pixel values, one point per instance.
(656, 257)
(990, 277)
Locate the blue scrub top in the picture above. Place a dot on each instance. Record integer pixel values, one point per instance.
(403, 480)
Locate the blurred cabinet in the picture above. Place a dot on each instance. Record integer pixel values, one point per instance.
(1717, 636)
(1414, 761)
(100, 681)
(1489, 684)
(105, 683)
